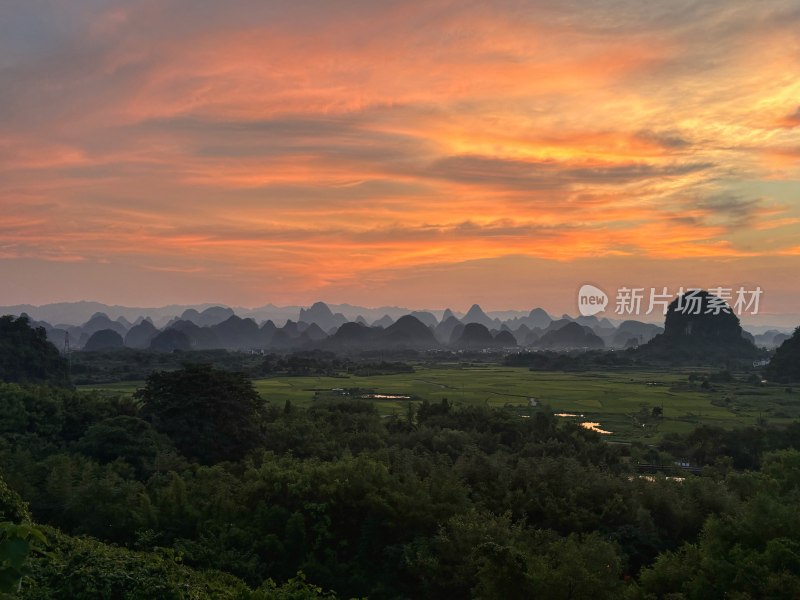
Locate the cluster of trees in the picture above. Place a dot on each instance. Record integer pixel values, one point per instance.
(109, 366)
(739, 449)
(572, 361)
(26, 356)
(206, 490)
(198, 488)
(319, 362)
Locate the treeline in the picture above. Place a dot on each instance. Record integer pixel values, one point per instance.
(208, 491)
(573, 361)
(27, 357)
(110, 366)
(742, 448)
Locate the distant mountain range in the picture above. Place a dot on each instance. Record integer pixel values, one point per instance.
(92, 325)
(77, 313)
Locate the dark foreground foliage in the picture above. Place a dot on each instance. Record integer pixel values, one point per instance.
(157, 500)
(27, 357)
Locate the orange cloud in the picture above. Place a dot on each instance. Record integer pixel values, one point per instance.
(330, 148)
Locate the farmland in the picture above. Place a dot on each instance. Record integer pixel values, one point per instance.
(633, 405)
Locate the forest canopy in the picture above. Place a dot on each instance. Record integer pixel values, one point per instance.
(449, 502)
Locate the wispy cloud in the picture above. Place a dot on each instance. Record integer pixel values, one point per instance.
(317, 146)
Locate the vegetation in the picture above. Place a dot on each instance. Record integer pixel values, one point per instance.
(17, 542)
(443, 501)
(622, 399)
(104, 367)
(751, 551)
(210, 414)
(385, 480)
(27, 357)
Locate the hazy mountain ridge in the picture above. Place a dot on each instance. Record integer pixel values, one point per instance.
(211, 326)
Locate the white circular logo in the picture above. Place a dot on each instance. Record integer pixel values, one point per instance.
(591, 300)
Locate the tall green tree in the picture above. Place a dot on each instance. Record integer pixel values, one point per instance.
(210, 414)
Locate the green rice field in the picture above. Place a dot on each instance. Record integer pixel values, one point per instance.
(621, 402)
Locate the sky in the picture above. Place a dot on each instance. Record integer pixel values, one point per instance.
(416, 153)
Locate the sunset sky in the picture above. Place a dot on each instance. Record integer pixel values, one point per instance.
(423, 154)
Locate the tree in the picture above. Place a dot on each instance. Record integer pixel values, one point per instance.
(210, 414)
(12, 507)
(18, 539)
(17, 542)
(752, 552)
(27, 357)
(129, 438)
